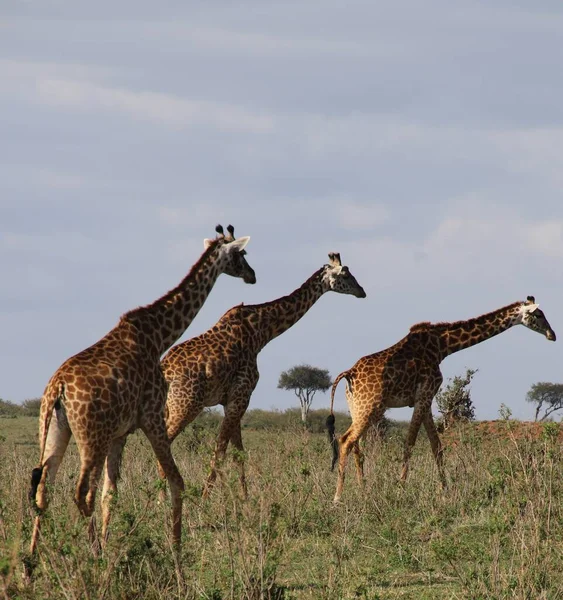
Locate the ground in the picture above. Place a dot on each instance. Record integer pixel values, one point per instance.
(497, 532)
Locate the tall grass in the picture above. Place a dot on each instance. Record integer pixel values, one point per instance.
(496, 533)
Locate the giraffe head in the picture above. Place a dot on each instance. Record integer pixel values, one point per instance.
(231, 254)
(533, 318)
(337, 277)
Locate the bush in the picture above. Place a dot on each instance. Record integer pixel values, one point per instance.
(454, 401)
(31, 407)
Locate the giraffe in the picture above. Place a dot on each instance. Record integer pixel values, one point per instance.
(115, 386)
(220, 366)
(408, 374)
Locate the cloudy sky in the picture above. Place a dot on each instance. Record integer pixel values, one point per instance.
(421, 140)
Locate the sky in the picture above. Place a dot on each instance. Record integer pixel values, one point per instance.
(421, 140)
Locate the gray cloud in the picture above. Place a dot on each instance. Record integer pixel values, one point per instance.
(420, 140)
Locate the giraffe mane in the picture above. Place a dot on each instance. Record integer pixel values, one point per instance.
(171, 293)
(425, 325)
(276, 300)
(422, 326)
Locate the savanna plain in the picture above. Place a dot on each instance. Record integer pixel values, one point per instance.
(496, 532)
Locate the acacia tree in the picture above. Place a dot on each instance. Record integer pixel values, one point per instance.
(305, 381)
(454, 400)
(546, 396)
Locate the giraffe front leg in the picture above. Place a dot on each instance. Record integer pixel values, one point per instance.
(236, 439)
(219, 454)
(412, 434)
(237, 403)
(185, 401)
(161, 446)
(230, 430)
(436, 445)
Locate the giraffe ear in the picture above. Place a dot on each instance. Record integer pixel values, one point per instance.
(334, 259)
(238, 244)
(206, 243)
(530, 308)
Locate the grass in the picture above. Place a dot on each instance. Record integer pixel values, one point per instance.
(496, 533)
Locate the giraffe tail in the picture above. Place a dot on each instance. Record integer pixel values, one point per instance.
(330, 421)
(51, 399)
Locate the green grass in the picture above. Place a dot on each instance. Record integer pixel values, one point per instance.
(496, 533)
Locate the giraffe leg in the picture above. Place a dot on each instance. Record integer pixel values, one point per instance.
(219, 454)
(359, 461)
(346, 443)
(231, 423)
(55, 447)
(412, 434)
(236, 439)
(86, 488)
(161, 446)
(238, 400)
(153, 424)
(109, 491)
(184, 403)
(436, 445)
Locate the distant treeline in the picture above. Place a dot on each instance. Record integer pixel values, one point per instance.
(258, 419)
(28, 408)
(254, 419)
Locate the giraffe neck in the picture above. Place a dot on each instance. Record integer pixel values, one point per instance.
(271, 319)
(164, 321)
(464, 334)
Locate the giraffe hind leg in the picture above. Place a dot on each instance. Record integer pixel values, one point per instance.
(347, 443)
(87, 485)
(359, 461)
(56, 444)
(109, 490)
(58, 438)
(85, 495)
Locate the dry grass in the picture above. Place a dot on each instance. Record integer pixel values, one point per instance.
(496, 533)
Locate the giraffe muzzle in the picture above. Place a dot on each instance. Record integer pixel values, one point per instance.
(550, 335)
(249, 277)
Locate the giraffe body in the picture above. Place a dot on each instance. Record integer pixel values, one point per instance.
(408, 374)
(220, 366)
(115, 386)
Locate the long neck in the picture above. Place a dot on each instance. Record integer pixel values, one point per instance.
(273, 318)
(463, 334)
(165, 320)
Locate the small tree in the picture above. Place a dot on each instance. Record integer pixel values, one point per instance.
(454, 401)
(546, 396)
(305, 381)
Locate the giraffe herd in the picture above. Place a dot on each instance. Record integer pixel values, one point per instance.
(121, 383)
